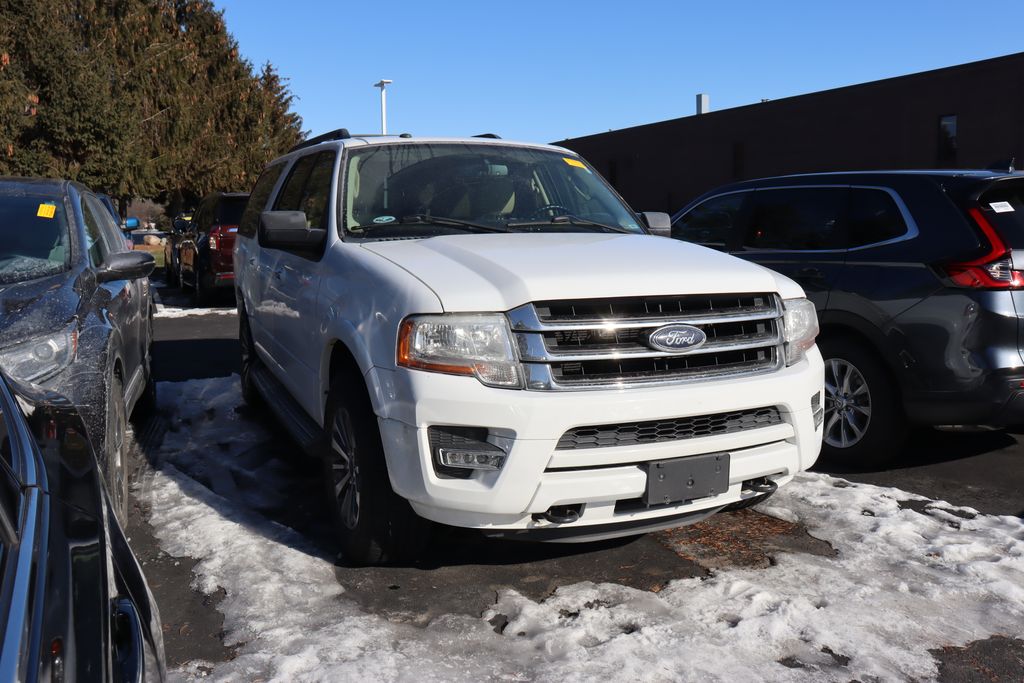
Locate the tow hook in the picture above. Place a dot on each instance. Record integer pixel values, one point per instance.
(760, 485)
(561, 514)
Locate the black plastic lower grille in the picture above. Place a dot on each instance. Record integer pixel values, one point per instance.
(676, 429)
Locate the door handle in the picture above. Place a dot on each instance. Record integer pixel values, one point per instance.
(810, 274)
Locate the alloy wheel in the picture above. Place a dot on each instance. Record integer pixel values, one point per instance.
(847, 404)
(345, 469)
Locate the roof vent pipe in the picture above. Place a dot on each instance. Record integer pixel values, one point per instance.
(703, 103)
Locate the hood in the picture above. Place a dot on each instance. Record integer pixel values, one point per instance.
(36, 307)
(499, 272)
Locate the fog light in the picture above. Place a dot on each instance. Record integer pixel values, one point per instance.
(819, 412)
(472, 460)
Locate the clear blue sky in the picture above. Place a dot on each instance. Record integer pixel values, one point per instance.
(548, 70)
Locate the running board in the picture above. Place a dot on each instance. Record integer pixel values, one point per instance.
(299, 425)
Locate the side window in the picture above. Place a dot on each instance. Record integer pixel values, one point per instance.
(796, 219)
(317, 193)
(712, 222)
(873, 217)
(258, 200)
(290, 196)
(94, 242)
(111, 233)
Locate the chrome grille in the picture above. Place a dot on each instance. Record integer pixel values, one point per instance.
(596, 343)
(675, 429)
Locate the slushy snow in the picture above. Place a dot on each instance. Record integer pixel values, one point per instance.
(902, 583)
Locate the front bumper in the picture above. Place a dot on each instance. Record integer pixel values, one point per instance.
(605, 481)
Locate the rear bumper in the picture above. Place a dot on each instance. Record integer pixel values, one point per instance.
(997, 400)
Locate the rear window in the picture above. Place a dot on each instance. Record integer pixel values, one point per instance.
(33, 237)
(229, 212)
(796, 219)
(1003, 206)
(874, 217)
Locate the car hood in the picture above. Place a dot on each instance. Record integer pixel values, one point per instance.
(499, 272)
(36, 307)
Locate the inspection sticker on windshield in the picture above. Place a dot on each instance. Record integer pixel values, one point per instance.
(575, 162)
(384, 219)
(1001, 207)
(46, 210)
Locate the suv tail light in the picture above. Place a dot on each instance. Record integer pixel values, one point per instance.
(994, 269)
(218, 234)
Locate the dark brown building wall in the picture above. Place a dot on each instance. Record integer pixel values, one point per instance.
(886, 124)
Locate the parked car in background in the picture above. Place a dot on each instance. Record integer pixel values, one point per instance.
(74, 604)
(918, 282)
(172, 248)
(481, 333)
(204, 251)
(76, 311)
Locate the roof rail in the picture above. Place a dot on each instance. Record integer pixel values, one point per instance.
(339, 134)
(493, 136)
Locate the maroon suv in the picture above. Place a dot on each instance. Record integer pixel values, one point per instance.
(205, 250)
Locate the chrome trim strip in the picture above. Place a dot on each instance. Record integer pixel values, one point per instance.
(524, 319)
(533, 350)
(540, 378)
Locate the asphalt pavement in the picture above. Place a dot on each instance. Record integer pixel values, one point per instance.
(983, 470)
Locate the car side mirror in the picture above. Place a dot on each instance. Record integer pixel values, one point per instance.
(658, 223)
(287, 230)
(128, 265)
(131, 223)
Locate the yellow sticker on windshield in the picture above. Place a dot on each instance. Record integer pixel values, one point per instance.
(574, 162)
(46, 210)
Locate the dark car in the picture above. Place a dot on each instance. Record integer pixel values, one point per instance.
(74, 604)
(172, 246)
(918, 279)
(205, 250)
(76, 310)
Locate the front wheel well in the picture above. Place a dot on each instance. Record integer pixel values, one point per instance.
(342, 364)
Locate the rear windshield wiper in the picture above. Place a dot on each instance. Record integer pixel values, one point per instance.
(424, 219)
(571, 220)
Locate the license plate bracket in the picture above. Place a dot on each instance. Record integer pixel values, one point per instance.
(682, 480)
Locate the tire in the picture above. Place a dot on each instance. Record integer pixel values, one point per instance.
(170, 272)
(200, 293)
(372, 523)
(115, 451)
(250, 361)
(864, 422)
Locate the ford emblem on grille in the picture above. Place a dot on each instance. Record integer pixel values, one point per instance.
(675, 338)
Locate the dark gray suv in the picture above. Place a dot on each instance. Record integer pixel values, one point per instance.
(918, 278)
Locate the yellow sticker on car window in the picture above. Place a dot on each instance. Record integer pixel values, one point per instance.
(574, 162)
(46, 210)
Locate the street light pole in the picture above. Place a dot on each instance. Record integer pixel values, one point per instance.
(383, 84)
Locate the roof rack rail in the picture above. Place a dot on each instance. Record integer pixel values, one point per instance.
(339, 134)
(493, 136)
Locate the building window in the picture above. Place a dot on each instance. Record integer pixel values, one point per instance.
(947, 139)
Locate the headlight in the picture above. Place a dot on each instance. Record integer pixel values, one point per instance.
(801, 323)
(40, 357)
(478, 345)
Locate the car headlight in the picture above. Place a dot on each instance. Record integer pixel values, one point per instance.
(479, 345)
(801, 323)
(38, 358)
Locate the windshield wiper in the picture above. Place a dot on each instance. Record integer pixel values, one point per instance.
(424, 219)
(571, 220)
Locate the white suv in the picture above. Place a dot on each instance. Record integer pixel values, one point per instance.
(481, 333)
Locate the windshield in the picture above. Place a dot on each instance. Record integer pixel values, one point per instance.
(229, 212)
(396, 190)
(33, 237)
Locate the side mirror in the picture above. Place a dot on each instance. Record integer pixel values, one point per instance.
(658, 223)
(131, 223)
(287, 230)
(128, 265)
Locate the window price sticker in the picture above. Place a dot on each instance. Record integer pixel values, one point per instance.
(1002, 207)
(46, 210)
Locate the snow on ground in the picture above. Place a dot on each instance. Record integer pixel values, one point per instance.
(164, 311)
(903, 582)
